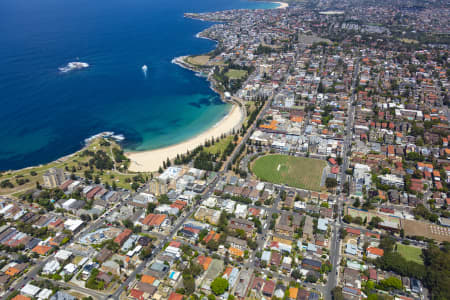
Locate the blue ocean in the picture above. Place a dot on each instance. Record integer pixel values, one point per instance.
(46, 114)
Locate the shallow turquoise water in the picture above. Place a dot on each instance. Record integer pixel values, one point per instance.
(46, 114)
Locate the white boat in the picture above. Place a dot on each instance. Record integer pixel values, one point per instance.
(74, 65)
(144, 70)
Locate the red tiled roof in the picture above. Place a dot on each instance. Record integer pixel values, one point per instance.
(269, 287)
(175, 296)
(353, 231)
(123, 236)
(373, 234)
(204, 261)
(137, 294)
(154, 219)
(41, 249)
(21, 297)
(175, 244)
(375, 251)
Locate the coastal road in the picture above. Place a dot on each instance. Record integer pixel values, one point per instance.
(244, 140)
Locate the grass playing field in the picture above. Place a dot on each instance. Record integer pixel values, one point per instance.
(236, 74)
(199, 60)
(300, 172)
(410, 253)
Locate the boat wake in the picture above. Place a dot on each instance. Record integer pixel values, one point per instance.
(74, 65)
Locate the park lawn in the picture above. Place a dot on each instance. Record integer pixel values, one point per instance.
(300, 172)
(410, 253)
(219, 146)
(236, 74)
(76, 160)
(199, 60)
(409, 41)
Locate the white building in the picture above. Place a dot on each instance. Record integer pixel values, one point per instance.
(68, 204)
(362, 177)
(51, 267)
(173, 251)
(45, 294)
(210, 202)
(299, 205)
(30, 290)
(133, 252)
(241, 211)
(73, 186)
(63, 255)
(170, 173)
(73, 225)
(167, 209)
(392, 180)
(70, 269)
(228, 205)
(322, 224)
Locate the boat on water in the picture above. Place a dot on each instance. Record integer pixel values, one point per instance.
(74, 65)
(144, 68)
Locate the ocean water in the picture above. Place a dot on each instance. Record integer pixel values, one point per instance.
(45, 114)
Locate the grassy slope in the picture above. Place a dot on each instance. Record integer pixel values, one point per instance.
(199, 60)
(76, 160)
(293, 171)
(220, 146)
(410, 253)
(236, 74)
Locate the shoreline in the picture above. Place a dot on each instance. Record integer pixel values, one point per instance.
(233, 120)
(281, 4)
(151, 160)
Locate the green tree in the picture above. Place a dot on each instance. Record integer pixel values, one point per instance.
(336, 293)
(390, 283)
(331, 183)
(296, 274)
(348, 219)
(135, 186)
(219, 285)
(189, 284)
(150, 207)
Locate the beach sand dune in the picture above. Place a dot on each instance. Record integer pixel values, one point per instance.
(151, 160)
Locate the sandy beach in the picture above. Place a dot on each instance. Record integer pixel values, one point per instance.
(282, 4)
(151, 160)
